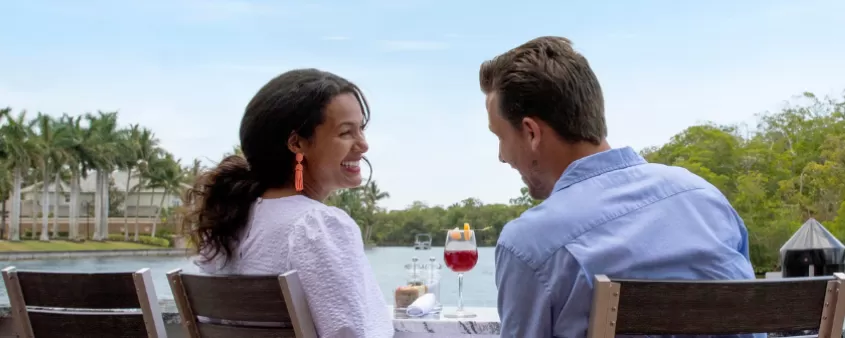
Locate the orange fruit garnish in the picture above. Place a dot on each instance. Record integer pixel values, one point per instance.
(466, 231)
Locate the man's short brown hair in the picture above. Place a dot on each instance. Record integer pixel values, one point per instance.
(546, 79)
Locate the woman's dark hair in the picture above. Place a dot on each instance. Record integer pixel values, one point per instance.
(217, 207)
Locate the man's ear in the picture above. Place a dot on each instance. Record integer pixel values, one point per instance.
(295, 143)
(532, 132)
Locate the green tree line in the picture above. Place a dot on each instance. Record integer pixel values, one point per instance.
(786, 169)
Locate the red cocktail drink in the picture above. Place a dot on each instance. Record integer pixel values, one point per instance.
(460, 254)
(460, 261)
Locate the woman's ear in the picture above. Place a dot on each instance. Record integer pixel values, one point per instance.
(295, 143)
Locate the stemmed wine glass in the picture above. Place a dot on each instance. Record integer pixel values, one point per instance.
(460, 254)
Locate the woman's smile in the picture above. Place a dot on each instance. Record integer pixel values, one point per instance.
(351, 166)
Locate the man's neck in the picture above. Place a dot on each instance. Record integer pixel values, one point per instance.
(575, 151)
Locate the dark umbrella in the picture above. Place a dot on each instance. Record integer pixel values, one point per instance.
(812, 246)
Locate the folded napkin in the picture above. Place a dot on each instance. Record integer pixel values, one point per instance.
(422, 306)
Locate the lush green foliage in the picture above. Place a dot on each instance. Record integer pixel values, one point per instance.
(789, 168)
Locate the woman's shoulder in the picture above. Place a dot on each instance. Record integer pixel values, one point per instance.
(303, 210)
(328, 216)
(318, 222)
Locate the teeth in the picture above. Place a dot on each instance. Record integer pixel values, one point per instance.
(350, 163)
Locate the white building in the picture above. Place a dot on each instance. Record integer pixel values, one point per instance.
(140, 202)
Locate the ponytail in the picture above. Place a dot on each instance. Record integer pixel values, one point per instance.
(218, 205)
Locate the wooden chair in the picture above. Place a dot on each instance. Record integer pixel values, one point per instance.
(653, 307)
(55, 304)
(242, 306)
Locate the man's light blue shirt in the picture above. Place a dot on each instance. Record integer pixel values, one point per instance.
(612, 213)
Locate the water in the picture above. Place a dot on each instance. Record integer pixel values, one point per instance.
(388, 264)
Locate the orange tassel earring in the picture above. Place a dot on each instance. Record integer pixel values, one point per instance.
(297, 178)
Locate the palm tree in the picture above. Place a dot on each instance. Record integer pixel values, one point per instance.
(194, 171)
(105, 137)
(60, 163)
(5, 175)
(5, 181)
(372, 195)
(129, 160)
(33, 178)
(81, 154)
(153, 177)
(351, 201)
(51, 160)
(59, 177)
(148, 152)
(191, 174)
(5, 192)
(19, 151)
(168, 175)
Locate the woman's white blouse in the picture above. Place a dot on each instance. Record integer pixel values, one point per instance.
(324, 245)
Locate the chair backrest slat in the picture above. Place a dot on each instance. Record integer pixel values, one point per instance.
(838, 304)
(19, 313)
(303, 323)
(79, 324)
(243, 306)
(73, 290)
(651, 307)
(209, 330)
(148, 300)
(81, 304)
(604, 309)
(189, 319)
(237, 298)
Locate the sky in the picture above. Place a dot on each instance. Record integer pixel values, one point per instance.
(187, 68)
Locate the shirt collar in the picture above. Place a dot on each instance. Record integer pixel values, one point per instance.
(597, 164)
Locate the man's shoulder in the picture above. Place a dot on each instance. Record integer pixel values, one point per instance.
(530, 222)
(676, 175)
(559, 220)
(538, 233)
(682, 180)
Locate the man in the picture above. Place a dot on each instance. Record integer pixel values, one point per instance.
(606, 211)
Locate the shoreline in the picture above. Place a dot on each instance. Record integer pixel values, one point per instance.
(37, 255)
(161, 252)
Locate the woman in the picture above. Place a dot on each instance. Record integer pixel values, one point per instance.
(302, 138)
